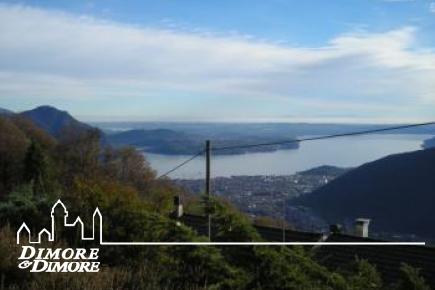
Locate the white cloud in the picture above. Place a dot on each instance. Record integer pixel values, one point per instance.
(49, 53)
(432, 7)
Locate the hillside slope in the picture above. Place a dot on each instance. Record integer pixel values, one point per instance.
(397, 192)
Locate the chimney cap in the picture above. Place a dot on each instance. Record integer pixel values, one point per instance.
(362, 221)
(362, 227)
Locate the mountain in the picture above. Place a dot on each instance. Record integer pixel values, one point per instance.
(429, 143)
(156, 140)
(162, 141)
(277, 131)
(325, 170)
(397, 192)
(5, 112)
(53, 120)
(166, 141)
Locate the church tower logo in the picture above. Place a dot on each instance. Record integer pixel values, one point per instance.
(50, 235)
(57, 259)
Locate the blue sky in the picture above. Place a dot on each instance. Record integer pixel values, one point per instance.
(316, 61)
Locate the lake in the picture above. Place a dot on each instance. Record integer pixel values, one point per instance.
(342, 152)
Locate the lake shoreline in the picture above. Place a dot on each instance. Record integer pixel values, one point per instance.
(340, 152)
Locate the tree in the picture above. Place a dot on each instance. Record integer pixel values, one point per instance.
(78, 153)
(36, 167)
(129, 166)
(13, 144)
(411, 279)
(361, 275)
(33, 132)
(22, 205)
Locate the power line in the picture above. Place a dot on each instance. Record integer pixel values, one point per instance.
(323, 137)
(181, 164)
(297, 141)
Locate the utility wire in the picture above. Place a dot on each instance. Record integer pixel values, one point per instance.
(297, 141)
(181, 164)
(323, 137)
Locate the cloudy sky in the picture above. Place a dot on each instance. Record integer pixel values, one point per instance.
(370, 61)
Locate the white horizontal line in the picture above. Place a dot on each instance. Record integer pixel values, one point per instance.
(263, 243)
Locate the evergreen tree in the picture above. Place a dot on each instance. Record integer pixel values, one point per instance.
(36, 167)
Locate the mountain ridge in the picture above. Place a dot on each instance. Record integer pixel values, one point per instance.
(4, 111)
(429, 143)
(53, 120)
(399, 186)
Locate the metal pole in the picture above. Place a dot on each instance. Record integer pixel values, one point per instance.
(283, 217)
(207, 183)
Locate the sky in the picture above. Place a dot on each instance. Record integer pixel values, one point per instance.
(360, 61)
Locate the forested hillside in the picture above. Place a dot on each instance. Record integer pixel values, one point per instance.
(397, 192)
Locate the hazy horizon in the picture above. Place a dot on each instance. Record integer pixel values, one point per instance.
(109, 120)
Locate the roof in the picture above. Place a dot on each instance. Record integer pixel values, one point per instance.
(200, 225)
(386, 259)
(277, 235)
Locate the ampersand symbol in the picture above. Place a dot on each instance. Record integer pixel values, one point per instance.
(24, 264)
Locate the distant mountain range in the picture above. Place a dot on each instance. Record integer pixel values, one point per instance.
(156, 140)
(266, 130)
(189, 138)
(165, 141)
(397, 192)
(194, 134)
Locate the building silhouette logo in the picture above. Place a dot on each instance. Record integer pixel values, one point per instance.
(60, 259)
(49, 235)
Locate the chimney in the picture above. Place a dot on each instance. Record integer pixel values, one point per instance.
(178, 207)
(362, 227)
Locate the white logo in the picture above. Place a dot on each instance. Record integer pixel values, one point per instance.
(60, 260)
(50, 235)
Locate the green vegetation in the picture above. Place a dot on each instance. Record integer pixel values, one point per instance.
(36, 170)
